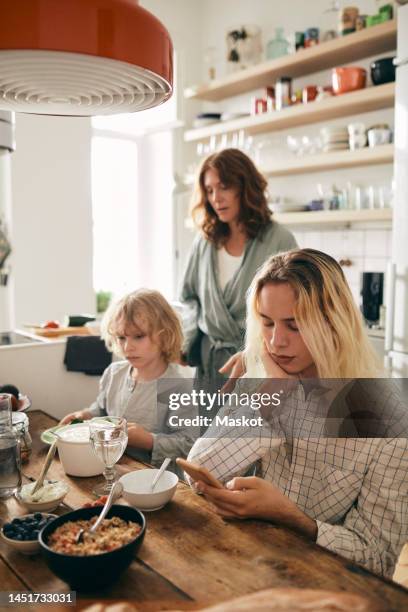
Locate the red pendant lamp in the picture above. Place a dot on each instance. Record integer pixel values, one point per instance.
(82, 57)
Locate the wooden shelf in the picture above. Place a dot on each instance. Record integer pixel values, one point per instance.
(326, 217)
(375, 40)
(334, 217)
(353, 103)
(332, 161)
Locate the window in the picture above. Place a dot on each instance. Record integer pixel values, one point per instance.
(132, 184)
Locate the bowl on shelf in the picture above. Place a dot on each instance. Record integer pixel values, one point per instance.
(383, 71)
(94, 571)
(348, 78)
(137, 489)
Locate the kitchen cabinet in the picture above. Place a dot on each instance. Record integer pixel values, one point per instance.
(371, 41)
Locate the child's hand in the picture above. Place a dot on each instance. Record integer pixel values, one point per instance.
(139, 436)
(79, 414)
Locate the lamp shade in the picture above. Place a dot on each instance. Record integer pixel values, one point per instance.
(82, 57)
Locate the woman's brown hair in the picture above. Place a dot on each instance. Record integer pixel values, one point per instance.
(238, 171)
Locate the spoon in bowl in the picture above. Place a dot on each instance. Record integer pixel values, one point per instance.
(115, 492)
(159, 473)
(47, 463)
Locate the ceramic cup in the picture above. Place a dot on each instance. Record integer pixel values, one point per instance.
(357, 142)
(379, 136)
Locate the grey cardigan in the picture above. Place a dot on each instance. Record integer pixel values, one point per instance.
(220, 315)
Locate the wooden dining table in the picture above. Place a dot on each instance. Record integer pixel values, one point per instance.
(190, 555)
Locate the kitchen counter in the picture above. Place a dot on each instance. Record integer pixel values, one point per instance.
(36, 367)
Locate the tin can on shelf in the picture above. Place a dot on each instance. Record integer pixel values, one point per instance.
(311, 37)
(259, 105)
(283, 92)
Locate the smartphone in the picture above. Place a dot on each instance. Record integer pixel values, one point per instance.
(197, 472)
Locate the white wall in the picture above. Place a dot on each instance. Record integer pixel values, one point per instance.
(51, 218)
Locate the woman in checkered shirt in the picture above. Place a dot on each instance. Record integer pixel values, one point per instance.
(333, 458)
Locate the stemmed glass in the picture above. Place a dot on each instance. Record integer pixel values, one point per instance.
(109, 439)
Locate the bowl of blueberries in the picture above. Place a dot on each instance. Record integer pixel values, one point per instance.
(22, 532)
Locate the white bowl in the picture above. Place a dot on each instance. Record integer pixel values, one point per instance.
(44, 505)
(27, 547)
(137, 489)
(76, 454)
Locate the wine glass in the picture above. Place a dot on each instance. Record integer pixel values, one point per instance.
(108, 436)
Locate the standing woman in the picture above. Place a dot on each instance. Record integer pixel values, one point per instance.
(237, 235)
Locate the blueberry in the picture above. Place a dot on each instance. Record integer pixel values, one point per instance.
(18, 537)
(7, 526)
(35, 533)
(38, 516)
(16, 521)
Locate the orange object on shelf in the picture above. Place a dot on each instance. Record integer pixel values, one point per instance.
(348, 78)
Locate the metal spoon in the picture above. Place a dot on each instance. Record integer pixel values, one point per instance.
(115, 492)
(159, 473)
(47, 463)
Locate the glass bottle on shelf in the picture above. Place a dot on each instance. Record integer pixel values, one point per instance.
(210, 58)
(278, 46)
(330, 21)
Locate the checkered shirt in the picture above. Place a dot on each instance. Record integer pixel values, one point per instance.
(355, 488)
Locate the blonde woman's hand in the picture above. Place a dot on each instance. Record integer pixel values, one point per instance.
(273, 369)
(252, 497)
(82, 415)
(236, 366)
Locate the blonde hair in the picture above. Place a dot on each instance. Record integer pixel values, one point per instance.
(328, 320)
(149, 310)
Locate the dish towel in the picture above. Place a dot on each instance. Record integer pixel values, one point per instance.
(87, 354)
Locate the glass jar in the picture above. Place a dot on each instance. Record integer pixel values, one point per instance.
(278, 46)
(10, 459)
(21, 430)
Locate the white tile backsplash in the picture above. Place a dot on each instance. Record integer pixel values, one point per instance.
(354, 243)
(353, 272)
(369, 250)
(313, 240)
(375, 264)
(376, 243)
(332, 243)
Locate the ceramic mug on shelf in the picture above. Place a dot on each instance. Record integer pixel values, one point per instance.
(379, 135)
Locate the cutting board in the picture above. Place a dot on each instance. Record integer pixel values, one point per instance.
(60, 331)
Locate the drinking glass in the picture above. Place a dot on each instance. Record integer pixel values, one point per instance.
(109, 439)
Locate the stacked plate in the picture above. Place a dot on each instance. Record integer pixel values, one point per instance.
(204, 119)
(334, 139)
(282, 205)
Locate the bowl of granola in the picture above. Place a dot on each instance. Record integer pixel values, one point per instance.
(101, 557)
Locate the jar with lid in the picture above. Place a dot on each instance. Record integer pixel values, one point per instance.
(283, 92)
(10, 459)
(21, 430)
